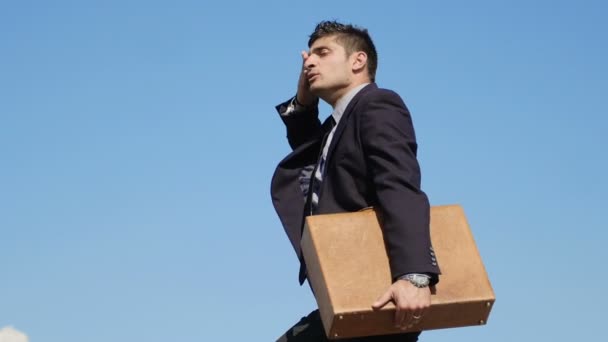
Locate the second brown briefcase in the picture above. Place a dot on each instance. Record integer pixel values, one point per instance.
(348, 270)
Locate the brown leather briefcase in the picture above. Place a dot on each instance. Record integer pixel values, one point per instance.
(348, 269)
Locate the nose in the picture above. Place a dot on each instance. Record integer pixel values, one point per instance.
(310, 62)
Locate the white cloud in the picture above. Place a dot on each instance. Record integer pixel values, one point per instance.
(8, 334)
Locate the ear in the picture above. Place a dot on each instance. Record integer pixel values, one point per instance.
(359, 61)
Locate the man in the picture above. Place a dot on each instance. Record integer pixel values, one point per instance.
(363, 155)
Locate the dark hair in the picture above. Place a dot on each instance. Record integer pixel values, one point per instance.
(352, 38)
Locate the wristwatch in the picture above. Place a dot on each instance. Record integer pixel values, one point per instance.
(418, 280)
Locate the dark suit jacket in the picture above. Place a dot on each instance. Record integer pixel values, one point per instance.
(371, 162)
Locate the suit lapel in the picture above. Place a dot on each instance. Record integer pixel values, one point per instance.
(344, 120)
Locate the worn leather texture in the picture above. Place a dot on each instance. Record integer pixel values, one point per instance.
(348, 269)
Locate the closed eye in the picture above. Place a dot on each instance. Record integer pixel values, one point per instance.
(321, 51)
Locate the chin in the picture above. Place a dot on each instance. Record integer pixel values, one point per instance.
(316, 88)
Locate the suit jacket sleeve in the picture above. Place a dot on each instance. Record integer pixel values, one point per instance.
(389, 145)
(302, 123)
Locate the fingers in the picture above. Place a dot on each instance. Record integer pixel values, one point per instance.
(404, 313)
(418, 313)
(407, 318)
(409, 308)
(383, 300)
(416, 316)
(304, 94)
(305, 56)
(411, 305)
(402, 317)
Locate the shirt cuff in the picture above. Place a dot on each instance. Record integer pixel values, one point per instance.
(294, 107)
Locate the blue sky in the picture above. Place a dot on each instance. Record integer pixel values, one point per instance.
(138, 138)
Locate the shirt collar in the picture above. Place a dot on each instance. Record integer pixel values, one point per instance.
(344, 101)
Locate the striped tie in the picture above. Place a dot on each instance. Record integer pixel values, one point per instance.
(317, 177)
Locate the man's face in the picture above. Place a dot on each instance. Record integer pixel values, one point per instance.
(328, 68)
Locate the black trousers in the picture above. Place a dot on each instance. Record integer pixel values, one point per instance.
(310, 329)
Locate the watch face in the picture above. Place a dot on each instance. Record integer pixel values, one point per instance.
(420, 281)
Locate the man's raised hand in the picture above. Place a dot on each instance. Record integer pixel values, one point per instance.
(304, 96)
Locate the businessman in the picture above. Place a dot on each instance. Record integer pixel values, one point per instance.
(362, 155)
